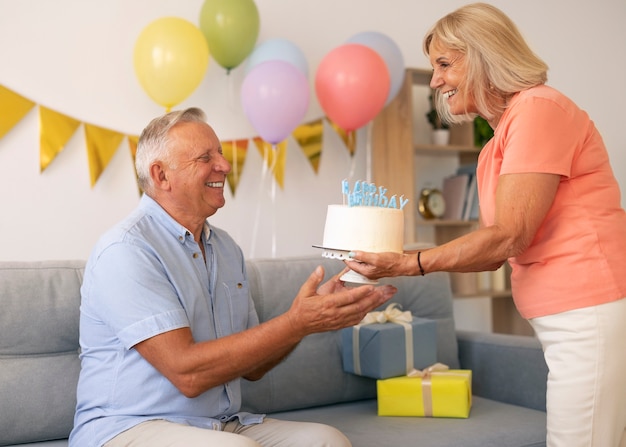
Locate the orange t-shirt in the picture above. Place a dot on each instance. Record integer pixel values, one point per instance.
(578, 256)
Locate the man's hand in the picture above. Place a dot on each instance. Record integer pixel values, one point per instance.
(333, 306)
(334, 284)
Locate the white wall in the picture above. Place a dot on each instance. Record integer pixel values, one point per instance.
(75, 57)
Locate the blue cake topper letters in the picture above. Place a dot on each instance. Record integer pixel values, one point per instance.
(368, 194)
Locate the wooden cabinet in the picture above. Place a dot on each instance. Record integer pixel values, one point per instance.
(404, 160)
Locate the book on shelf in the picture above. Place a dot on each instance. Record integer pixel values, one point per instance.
(471, 205)
(470, 211)
(455, 193)
(460, 193)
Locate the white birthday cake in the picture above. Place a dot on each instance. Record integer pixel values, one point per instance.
(368, 220)
(366, 228)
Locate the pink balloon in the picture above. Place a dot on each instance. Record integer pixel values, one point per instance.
(275, 98)
(352, 83)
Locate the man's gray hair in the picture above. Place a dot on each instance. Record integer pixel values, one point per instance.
(154, 142)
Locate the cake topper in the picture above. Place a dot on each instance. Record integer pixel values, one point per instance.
(368, 194)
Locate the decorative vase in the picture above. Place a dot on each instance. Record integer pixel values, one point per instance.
(441, 137)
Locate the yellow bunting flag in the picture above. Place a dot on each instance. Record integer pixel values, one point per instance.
(309, 137)
(13, 108)
(275, 156)
(101, 146)
(55, 130)
(349, 138)
(235, 152)
(133, 140)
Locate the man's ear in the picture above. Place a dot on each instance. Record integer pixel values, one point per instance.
(159, 176)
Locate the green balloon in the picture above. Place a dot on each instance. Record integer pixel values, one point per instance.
(231, 28)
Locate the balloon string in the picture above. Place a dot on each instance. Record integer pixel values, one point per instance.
(368, 153)
(257, 218)
(351, 155)
(231, 90)
(235, 166)
(273, 169)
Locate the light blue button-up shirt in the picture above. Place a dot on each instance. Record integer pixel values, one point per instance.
(147, 276)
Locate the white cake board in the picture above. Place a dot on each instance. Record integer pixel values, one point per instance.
(350, 276)
(356, 278)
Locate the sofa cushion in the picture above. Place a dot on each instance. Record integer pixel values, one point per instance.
(500, 366)
(490, 424)
(38, 349)
(313, 373)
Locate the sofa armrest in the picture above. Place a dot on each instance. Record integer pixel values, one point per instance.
(506, 368)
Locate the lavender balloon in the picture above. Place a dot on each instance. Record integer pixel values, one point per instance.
(275, 98)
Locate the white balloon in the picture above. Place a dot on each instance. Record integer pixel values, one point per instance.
(278, 49)
(391, 54)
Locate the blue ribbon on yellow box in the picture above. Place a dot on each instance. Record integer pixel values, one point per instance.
(374, 348)
(435, 391)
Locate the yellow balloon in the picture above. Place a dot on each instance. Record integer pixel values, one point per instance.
(171, 57)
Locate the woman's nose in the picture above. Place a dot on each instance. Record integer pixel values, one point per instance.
(436, 80)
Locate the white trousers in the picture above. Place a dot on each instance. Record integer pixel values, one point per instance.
(585, 350)
(272, 432)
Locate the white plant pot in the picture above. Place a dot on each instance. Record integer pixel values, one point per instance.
(441, 137)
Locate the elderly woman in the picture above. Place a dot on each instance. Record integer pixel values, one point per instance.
(550, 205)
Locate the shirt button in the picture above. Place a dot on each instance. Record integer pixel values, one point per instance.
(180, 238)
(195, 255)
(239, 285)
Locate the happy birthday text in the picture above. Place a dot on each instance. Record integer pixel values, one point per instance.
(368, 194)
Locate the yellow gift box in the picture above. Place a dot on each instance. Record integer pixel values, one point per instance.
(431, 393)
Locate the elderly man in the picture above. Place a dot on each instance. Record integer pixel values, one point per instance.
(167, 325)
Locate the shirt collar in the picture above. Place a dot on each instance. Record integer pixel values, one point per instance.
(207, 231)
(152, 208)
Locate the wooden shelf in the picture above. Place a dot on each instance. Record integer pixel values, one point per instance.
(399, 136)
(485, 294)
(447, 223)
(393, 145)
(435, 149)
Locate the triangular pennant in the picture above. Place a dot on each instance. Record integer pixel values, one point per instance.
(101, 146)
(349, 138)
(309, 137)
(235, 152)
(13, 108)
(133, 140)
(55, 130)
(276, 156)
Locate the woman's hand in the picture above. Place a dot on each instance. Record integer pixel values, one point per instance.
(381, 265)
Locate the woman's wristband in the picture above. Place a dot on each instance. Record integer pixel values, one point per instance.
(419, 263)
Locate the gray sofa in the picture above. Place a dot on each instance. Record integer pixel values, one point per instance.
(39, 364)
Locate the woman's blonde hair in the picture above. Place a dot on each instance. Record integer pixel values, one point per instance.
(499, 61)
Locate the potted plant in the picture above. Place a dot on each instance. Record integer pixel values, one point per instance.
(441, 129)
(482, 132)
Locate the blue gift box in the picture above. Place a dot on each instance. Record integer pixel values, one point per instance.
(380, 350)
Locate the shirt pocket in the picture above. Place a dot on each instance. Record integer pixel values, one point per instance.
(237, 299)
